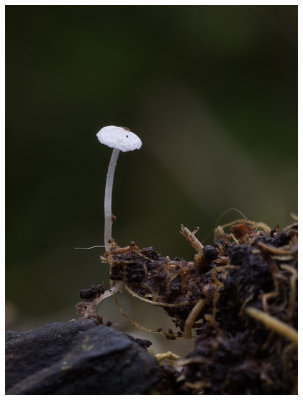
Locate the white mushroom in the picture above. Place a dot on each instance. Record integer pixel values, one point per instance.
(119, 139)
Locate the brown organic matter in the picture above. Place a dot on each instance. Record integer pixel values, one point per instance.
(238, 297)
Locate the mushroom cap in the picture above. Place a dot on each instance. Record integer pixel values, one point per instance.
(119, 138)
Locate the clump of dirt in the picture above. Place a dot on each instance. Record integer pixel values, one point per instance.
(238, 296)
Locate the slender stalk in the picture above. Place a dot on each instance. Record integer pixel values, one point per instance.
(110, 292)
(108, 221)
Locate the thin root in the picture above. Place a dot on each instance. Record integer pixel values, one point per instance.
(135, 324)
(273, 249)
(274, 324)
(192, 316)
(292, 283)
(155, 303)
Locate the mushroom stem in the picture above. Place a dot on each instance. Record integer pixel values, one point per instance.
(108, 216)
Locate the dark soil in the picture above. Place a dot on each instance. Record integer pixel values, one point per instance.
(238, 298)
(249, 268)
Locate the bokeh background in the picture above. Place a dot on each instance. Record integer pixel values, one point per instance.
(211, 91)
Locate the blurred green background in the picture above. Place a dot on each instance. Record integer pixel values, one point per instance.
(211, 91)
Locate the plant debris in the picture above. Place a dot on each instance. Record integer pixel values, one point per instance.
(92, 292)
(238, 297)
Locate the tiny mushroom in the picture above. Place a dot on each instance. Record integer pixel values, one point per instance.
(119, 139)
